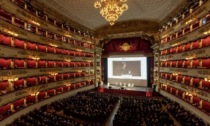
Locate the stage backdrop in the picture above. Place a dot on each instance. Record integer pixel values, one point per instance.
(129, 47)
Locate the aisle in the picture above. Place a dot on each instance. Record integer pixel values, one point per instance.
(109, 121)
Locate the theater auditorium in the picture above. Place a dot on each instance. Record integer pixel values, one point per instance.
(104, 63)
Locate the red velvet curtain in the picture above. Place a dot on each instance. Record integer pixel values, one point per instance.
(136, 45)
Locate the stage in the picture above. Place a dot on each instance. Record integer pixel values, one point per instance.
(125, 90)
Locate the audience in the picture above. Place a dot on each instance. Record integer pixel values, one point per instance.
(184, 117)
(142, 111)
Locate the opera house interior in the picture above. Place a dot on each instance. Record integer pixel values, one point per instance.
(104, 63)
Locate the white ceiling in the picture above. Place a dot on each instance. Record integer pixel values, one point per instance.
(83, 11)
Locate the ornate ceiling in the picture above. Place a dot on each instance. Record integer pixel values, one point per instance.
(138, 17)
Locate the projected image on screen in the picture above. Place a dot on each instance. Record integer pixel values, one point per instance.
(126, 68)
(127, 71)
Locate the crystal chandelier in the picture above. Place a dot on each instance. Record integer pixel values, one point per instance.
(111, 9)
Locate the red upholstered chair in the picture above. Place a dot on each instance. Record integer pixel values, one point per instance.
(72, 87)
(59, 77)
(72, 75)
(173, 50)
(77, 53)
(31, 99)
(59, 51)
(51, 64)
(59, 64)
(5, 40)
(31, 63)
(66, 64)
(180, 78)
(162, 75)
(173, 63)
(205, 63)
(72, 64)
(4, 110)
(205, 42)
(162, 64)
(206, 106)
(66, 52)
(42, 48)
(51, 49)
(83, 74)
(173, 91)
(205, 84)
(77, 74)
(83, 54)
(87, 64)
(51, 92)
(31, 81)
(91, 55)
(72, 53)
(180, 48)
(51, 78)
(4, 85)
(173, 77)
(168, 88)
(18, 104)
(5, 63)
(42, 79)
(19, 84)
(168, 63)
(195, 82)
(187, 64)
(19, 43)
(187, 80)
(91, 63)
(42, 95)
(187, 47)
(65, 88)
(82, 64)
(195, 63)
(77, 64)
(195, 45)
(65, 76)
(59, 90)
(19, 63)
(31, 46)
(180, 93)
(179, 63)
(42, 64)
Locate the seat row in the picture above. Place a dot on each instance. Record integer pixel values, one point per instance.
(17, 43)
(200, 43)
(13, 63)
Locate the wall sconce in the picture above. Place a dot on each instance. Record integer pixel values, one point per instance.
(53, 74)
(12, 79)
(79, 50)
(189, 21)
(34, 94)
(68, 60)
(34, 57)
(11, 33)
(53, 45)
(175, 74)
(206, 32)
(34, 22)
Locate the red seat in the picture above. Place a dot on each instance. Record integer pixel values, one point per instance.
(65, 88)
(65, 76)
(180, 93)
(42, 48)
(72, 53)
(19, 84)
(205, 63)
(187, 47)
(187, 64)
(42, 63)
(50, 49)
(77, 53)
(19, 63)
(173, 50)
(51, 92)
(72, 64)
(66, 52)
(5, 63)
(19, 43)
(51, 78)
(59, 90)
(187, 80)
(31, 99)
(195, 82)
(18, 104)
(195, 45)
(71, 75)
(5, 40)
(31, 46)
(195, 63)
(59, 51)
(59, 64)
(4, 84)
(180, 49)
(42, 95)
(32, 63)
(66, 64)
(42, 79)
(205, 42)
(179, 63)
(59, 77)
(180, 78)
(50, 64)
(173, 63)
(31, 81)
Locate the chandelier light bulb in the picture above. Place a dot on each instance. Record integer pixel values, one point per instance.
(97, 4)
